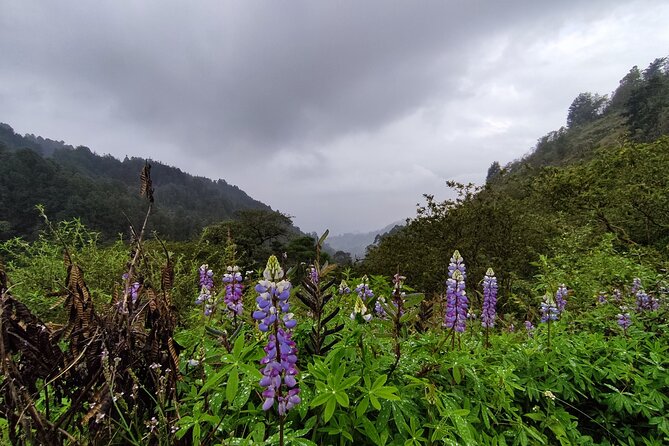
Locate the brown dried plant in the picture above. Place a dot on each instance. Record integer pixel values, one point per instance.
(108, 364)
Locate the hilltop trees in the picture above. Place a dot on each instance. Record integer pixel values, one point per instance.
(585, 108)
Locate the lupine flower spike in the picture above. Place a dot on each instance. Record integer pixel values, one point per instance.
(644, 302)
(561, 298)
(344, 288)
(206, 288)
(378, 308)
(456, 297)
(232, 280)
(365, 294)
(313, 275)
(624, 319)
(529, 328)
(274, 316)
(489, 302)
(549, 310)
(601, 298)
(549, 313)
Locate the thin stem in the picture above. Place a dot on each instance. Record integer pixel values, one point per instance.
(549, 333)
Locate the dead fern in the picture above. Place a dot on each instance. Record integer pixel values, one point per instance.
(113, 365)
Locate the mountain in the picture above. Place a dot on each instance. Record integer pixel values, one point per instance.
(356, 243)
(101, 190)
(596, 187)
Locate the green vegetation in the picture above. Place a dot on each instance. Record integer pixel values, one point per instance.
(101, 191)
(114, 341)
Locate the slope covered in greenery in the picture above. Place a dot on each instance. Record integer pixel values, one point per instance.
(596, 182)
(75, 182)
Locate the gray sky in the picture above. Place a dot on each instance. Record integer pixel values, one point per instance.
(342, 113)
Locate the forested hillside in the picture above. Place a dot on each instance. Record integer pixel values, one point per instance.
(598, 184)
(100, 190)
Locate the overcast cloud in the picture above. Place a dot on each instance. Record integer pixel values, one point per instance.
(341, 114)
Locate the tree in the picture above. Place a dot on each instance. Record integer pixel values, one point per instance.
(257, 234)
(647, 108)
(585, 108)
(628, 84)
(493, 171)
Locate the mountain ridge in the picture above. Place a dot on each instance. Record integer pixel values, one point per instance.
(77, 182)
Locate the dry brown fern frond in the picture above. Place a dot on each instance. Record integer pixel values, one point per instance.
(146, 187)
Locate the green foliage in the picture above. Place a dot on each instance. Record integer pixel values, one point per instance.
(587, 107)
(101, 191)
(615, 199)
(257, 235)
(595, 384)
(38, 270)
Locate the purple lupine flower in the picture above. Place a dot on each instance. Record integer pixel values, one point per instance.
(279, 373)
(206, 285)
(529, 328)
(206, 277)
(624, 319)
(489, 299)
(398, 295)
(313, 275)
(636, 285)
(378, 308)
(233, 291)
(549, 311)
(645, 302)
(561, 298)
(457, 263)
(364, 294)
(208, 309)
(601, 297)
(456, 297)
(134, 291)
(617, 295)
(363, 290)
(344, 288)
(280, 358)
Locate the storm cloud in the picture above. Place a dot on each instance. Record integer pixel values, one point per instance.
(339, 113)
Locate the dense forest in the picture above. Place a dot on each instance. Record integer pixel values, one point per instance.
(101, 191)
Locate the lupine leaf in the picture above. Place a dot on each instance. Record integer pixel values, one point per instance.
(329, 409)
(342, 398)
(321, 399)
(232, 385)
